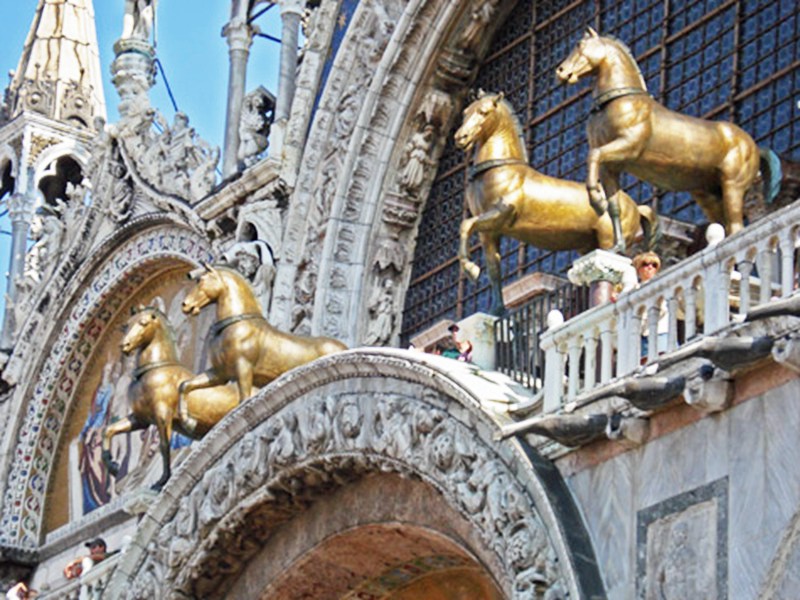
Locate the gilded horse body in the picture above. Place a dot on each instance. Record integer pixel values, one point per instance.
(508, 197)
(153, 393)
(243, 347)
(628, 131)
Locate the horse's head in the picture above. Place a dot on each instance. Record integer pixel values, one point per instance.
(141, 328)
(480, 119)
(584, 59)
(208, 287)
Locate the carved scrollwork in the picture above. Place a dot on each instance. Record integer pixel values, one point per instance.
(315, 445)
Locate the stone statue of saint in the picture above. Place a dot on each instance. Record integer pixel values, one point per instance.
(254, 261)
(382, 313)
(137, 23)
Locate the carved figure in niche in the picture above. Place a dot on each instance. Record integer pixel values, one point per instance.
(254, 125)
(47, 232)
(254, 260)
(243, 347)
(120, 206)
(506, 196)
(153, 393)
(382, 314)
(475, 30)
(417, 160)
(628, 131)
(347, 112)
(219, 493)
(137, 22)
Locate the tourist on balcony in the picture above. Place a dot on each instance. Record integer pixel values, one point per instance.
(647, 265)
(79, 566)
(20, 592)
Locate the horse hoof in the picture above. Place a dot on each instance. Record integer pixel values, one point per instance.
(473, 271)
(189, 424)
(156, 487)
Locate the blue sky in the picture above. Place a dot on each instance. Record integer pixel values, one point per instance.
(191, 49)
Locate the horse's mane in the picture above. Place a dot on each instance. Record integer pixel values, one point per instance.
(517, 126)
(627, 51)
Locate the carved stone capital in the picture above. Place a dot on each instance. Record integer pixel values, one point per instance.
(292, 6)
(20, 208)
(239, 34)
(599, 265)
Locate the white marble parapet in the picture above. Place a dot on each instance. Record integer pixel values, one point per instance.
(703, 295)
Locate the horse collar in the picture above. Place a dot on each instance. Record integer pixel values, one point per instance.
(480, 168)
(139, 371)
(217, 327)
(602, 99)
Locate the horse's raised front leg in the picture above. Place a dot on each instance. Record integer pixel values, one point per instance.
(491, 248)
(124, 425)
(622, 148)
(490, 221)
(206, 379)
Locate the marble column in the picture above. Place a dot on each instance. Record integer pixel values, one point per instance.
(239, 34)
(601, 271)
(20, 211)
(291, 13)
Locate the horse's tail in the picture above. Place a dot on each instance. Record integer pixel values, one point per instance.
(651, 226)
(771, 173)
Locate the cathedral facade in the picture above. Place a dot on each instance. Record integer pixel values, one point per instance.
(573, 457)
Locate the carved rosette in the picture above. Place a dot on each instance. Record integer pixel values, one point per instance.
(317, 444)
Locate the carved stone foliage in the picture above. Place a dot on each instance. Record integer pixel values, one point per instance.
(319, 443)
(48, 391)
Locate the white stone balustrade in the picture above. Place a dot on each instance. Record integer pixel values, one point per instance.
(700, 296)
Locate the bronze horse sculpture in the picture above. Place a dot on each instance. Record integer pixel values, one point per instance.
(508, 197)
(243, 347)
(628, 131)
(153, 393)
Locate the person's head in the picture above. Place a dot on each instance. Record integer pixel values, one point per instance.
(647, 264)
(453, 329)
(97, 548)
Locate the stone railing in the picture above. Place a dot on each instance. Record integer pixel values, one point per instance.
(89, 586)
(699, 296)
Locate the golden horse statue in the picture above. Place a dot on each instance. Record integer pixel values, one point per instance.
(243, 347)
(508, 197)
(716, 162)
(153, 393)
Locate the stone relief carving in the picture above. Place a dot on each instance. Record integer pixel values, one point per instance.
(371, 35)
(257, 113)
(417, 160)
(255, 261)
(316, 444)
(382, 314)
(474, 32)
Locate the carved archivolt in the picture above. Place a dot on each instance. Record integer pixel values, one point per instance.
(74, 324)
(372, 150)
(261, 468)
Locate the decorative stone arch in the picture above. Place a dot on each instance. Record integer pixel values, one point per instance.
(369, 212)
(68, 148)
(68, 330)
(373, 425)
(9, 155)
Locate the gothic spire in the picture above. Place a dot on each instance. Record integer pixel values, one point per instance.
(59, 71)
